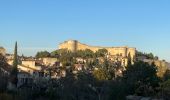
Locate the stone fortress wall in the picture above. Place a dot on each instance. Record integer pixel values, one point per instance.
(74, 45)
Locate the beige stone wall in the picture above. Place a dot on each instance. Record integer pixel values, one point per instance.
(2, 51)
(30, 64)
(49, 61)
(74, 45)
(70, 45)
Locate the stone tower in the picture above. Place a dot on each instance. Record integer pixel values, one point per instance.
(71, 45)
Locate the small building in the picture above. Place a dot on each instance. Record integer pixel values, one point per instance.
(49, 61)
(10, 58)
(29, 66)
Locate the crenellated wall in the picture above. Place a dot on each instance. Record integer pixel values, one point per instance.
(74, 45)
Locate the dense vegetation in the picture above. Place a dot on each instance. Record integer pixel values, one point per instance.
(80, 53)
(102, 84)
(147, 55)
(42, 54)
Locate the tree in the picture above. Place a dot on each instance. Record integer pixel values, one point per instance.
(150, 56)
(79, 87)
(87, 53)
(106, 64)
(14, 71)
(42, 54)
(101, 74)
(80, 53)
(3, 78)
(55, 53)
(117, 91)
(66, 57)
(101, 52)
(147, 55)
(165, 86)
(166, 75)
(141, 79)
(156, 58)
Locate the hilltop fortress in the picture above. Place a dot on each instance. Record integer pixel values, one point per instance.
(74, 45)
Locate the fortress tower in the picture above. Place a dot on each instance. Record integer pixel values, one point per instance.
(70, 45)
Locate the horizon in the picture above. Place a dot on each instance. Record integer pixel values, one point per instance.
(10, 50)
(42, 25)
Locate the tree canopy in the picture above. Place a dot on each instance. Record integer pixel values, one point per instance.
(141, 78)
(42, 54)
(147, 55)
(101, 74)
(101, 52)
(85, 53)
(166, 75)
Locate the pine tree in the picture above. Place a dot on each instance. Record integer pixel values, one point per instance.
(14, 71)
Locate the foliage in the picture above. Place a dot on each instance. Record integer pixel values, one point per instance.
(117, 91)
(3, 78)
(101, 74)
(14, 71)
(15, 62)
(166, 75)
(75, 87)
(87, 53)
(101, 52)
(141, 78)
(99, 83)
(147, 55)
(60, 52)
(54, 53)
(42, 54)
(66, 57)
(165, 86)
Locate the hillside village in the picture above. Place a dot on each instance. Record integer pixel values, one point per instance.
(38, 71)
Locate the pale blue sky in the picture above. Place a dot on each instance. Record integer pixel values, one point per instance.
(43, 24)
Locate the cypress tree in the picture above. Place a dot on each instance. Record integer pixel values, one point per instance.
(14, 71)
